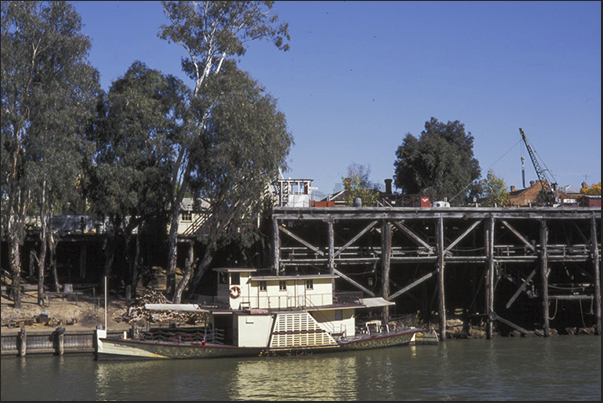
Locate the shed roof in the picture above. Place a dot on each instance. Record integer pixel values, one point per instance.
(375, 302)
(303, 277)
(235, 270)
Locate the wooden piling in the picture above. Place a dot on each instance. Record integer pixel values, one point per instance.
(59, 342)
(520, 241)
(331, 258)
(386, 244)
(276, 245)
(544, 275)
(489, 237)
(22, 345)
(442, 297)
(596, 268)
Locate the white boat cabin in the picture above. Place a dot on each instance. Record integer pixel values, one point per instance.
(284, 310)
(279, 311)
(274, 292)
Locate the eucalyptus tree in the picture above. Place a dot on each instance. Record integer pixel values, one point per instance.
(48, 90)
(238, 155)
(210, 32)
(440, 162)
(128, 180)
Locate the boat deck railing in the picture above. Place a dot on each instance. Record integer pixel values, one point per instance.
(208, 301)
(368, 330)
(349, 298)
(184, 335)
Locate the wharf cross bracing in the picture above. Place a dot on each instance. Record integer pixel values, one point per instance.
(500, 263)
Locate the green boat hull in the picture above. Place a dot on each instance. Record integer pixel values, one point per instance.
(128, 349)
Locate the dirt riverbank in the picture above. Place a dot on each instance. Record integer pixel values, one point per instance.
(82, 314)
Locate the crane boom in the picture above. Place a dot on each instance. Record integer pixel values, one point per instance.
(546, 187)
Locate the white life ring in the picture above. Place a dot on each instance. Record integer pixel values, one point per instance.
(235, 292)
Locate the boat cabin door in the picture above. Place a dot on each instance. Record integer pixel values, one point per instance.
(233, 285)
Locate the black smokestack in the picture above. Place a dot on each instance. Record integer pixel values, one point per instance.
(388, 186)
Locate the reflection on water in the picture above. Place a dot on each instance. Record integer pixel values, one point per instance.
(162, 379)
(122, 380)
(325, 377)
(558, 368)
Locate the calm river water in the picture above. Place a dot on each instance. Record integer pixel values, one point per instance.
(556, 368)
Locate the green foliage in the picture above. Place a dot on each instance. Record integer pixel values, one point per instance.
(48, 92)
(239, 153)
(358, 185)
(494, 190)
(212, 31)
(137, 128)
(439, 163)
(223, 128)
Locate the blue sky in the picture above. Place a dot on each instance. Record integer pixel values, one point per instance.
(361, 75)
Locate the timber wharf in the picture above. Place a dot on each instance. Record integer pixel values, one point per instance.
(512, 267)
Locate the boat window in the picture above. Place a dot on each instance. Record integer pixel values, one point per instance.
(235, 278)
(338, 314)
(309, 284)
(263, 286)
(222, 278)
(282, 285)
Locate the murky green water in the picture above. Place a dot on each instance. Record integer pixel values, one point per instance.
(557, 368)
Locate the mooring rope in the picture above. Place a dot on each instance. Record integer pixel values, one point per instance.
(581, 314)
(556, 305)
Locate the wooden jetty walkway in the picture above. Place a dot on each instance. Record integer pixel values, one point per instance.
(59, 341)
(498, 262)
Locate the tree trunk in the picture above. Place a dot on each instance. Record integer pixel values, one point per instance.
(173, 254)
(133, 261)
(43, 247)
(42, 266)
(218, 226)
(16, 232)
(15, 264)
(202, 268)
(173, 237)
(54, 242)
(136, 264)
(109, 256)
(188, 273)
(110, 247)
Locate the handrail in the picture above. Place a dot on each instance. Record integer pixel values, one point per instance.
(347, 298)
(326, 321)
(184, 335)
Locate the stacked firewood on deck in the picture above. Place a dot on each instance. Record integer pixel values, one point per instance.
(137, 314)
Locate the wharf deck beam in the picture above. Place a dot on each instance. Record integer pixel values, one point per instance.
(390, 252)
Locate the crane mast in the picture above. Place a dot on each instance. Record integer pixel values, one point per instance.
(549, 194)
